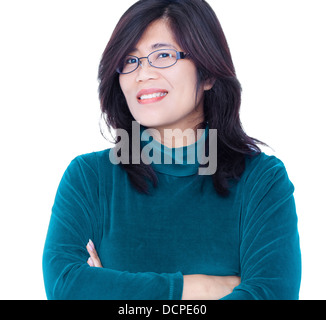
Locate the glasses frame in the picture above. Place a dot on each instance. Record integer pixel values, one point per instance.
(179, 56)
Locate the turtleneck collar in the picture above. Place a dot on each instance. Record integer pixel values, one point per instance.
(179, 162)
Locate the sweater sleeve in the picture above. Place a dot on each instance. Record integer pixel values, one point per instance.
(76, 217)
(270, 258)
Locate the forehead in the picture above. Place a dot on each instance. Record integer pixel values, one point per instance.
(157, 35)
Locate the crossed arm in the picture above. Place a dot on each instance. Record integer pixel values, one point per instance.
(195, 286)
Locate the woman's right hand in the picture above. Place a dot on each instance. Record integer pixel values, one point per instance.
(204, 287)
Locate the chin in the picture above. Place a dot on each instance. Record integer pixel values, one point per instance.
(151, 121)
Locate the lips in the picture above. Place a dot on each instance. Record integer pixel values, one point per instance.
(151, 95)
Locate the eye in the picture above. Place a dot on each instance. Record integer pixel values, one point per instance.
(130, 60)
(164, 55)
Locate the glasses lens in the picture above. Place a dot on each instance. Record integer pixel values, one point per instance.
(163, 58)
(129, 64)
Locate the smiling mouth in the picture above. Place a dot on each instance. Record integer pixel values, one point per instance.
(152, 96)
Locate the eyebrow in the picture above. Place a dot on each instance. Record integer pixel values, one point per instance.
(161, 45)
(158, 46)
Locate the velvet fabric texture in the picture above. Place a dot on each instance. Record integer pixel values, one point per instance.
(146, 243)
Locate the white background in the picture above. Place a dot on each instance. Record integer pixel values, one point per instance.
(49, 113)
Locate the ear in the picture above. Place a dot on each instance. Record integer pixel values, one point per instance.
(208, 84)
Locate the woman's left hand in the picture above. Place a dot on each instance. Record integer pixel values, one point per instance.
(93, 260)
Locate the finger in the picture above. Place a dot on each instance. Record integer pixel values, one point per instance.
(93, 260)
(90, 262)
(92, 252)
(91, 244)
(96, 260)
(91, 248)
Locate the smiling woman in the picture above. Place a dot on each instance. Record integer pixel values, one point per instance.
(177, 107)
(136, 230)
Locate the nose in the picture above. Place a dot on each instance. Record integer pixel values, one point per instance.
(145, 71)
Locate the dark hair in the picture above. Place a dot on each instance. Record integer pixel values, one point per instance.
(199, 33)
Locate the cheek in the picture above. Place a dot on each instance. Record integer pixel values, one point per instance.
(125, 87)
(187, 87)
(122, 85)
(187, 76)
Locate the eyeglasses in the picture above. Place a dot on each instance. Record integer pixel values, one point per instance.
(161, 59)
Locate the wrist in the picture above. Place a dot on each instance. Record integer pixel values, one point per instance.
(196, 287)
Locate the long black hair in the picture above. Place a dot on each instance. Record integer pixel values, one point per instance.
(199, 33)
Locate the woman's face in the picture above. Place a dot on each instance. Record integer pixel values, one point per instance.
(177, 108)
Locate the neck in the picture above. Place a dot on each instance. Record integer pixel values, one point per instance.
(172, 137)
(175, 161)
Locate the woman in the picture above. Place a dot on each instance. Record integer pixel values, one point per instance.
(139, 229)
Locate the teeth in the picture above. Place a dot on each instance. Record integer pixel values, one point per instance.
(153, 95)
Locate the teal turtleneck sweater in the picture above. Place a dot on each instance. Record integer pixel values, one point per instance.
(146, 243)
